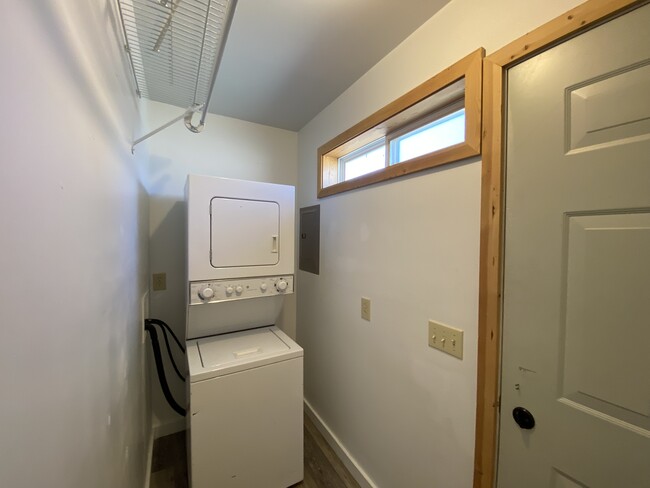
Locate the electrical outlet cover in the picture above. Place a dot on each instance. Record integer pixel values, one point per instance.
(159, 281)
(365, 308)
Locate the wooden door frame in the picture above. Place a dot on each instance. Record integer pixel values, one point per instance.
(571, 23)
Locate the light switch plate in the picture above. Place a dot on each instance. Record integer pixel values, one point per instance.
(446, 339)
(365, 308)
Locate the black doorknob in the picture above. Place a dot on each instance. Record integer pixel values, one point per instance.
(523, 417)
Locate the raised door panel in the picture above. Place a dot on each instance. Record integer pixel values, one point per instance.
(606, 332)
(610, 109)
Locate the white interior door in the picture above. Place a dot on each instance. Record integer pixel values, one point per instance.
(576, 313)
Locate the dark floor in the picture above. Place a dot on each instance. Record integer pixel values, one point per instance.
(169, 463)
(323, 469)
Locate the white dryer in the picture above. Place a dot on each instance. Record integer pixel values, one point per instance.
(245, 420)
(240, 253)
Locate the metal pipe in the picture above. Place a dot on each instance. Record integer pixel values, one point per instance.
(188, 123)
(189, 111)
(224, 38)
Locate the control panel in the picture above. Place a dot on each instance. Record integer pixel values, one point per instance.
(238, 289)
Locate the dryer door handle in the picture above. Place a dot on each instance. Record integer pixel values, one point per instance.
(274, 245)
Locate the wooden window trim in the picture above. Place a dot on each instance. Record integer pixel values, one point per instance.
(403, 110)
(569, 24)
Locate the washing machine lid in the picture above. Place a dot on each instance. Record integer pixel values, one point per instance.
(238, 351)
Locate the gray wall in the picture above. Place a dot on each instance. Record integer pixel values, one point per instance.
(73, 260)
(402, 411)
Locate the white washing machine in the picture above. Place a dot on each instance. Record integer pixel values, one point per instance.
(246, 400)
(245, 389)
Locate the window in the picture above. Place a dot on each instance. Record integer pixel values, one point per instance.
(366, 159)
(436, 123)
(425, 136)
(432, 136)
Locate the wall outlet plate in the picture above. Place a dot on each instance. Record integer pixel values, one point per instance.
(446, 339)
(159, 281)
(365, 308)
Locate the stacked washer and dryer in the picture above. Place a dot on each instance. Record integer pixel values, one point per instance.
(245, 388)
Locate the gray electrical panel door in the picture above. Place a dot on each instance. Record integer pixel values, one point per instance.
(309, 253)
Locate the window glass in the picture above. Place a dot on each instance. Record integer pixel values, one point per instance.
(440, 133)
(429, 136)
(366, 159)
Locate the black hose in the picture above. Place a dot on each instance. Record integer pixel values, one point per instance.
(164, 327)
(163, 324)
(171, 356)
(161, 369)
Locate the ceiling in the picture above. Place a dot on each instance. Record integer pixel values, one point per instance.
(286, 60)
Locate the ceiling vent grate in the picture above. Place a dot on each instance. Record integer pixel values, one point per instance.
(175, 47)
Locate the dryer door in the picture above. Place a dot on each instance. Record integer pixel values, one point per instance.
(244, 232)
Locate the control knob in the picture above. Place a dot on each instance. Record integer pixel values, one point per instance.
(263, 287)
(206, 293)
(281, 285)
(229, 290)
(239, 290)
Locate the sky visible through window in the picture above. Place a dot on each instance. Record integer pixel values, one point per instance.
(365, 163)
(437, 135)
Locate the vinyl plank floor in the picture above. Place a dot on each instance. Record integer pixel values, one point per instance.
(323, 469)
(169, 463)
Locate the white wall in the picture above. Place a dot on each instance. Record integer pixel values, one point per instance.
(403, 411)
(227, 147)
(73, 260)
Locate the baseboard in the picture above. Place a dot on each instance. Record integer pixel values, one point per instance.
(168, 428)
(148, 465)
(350, 463)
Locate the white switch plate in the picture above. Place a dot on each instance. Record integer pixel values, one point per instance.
(365, 308)
(446, 339)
